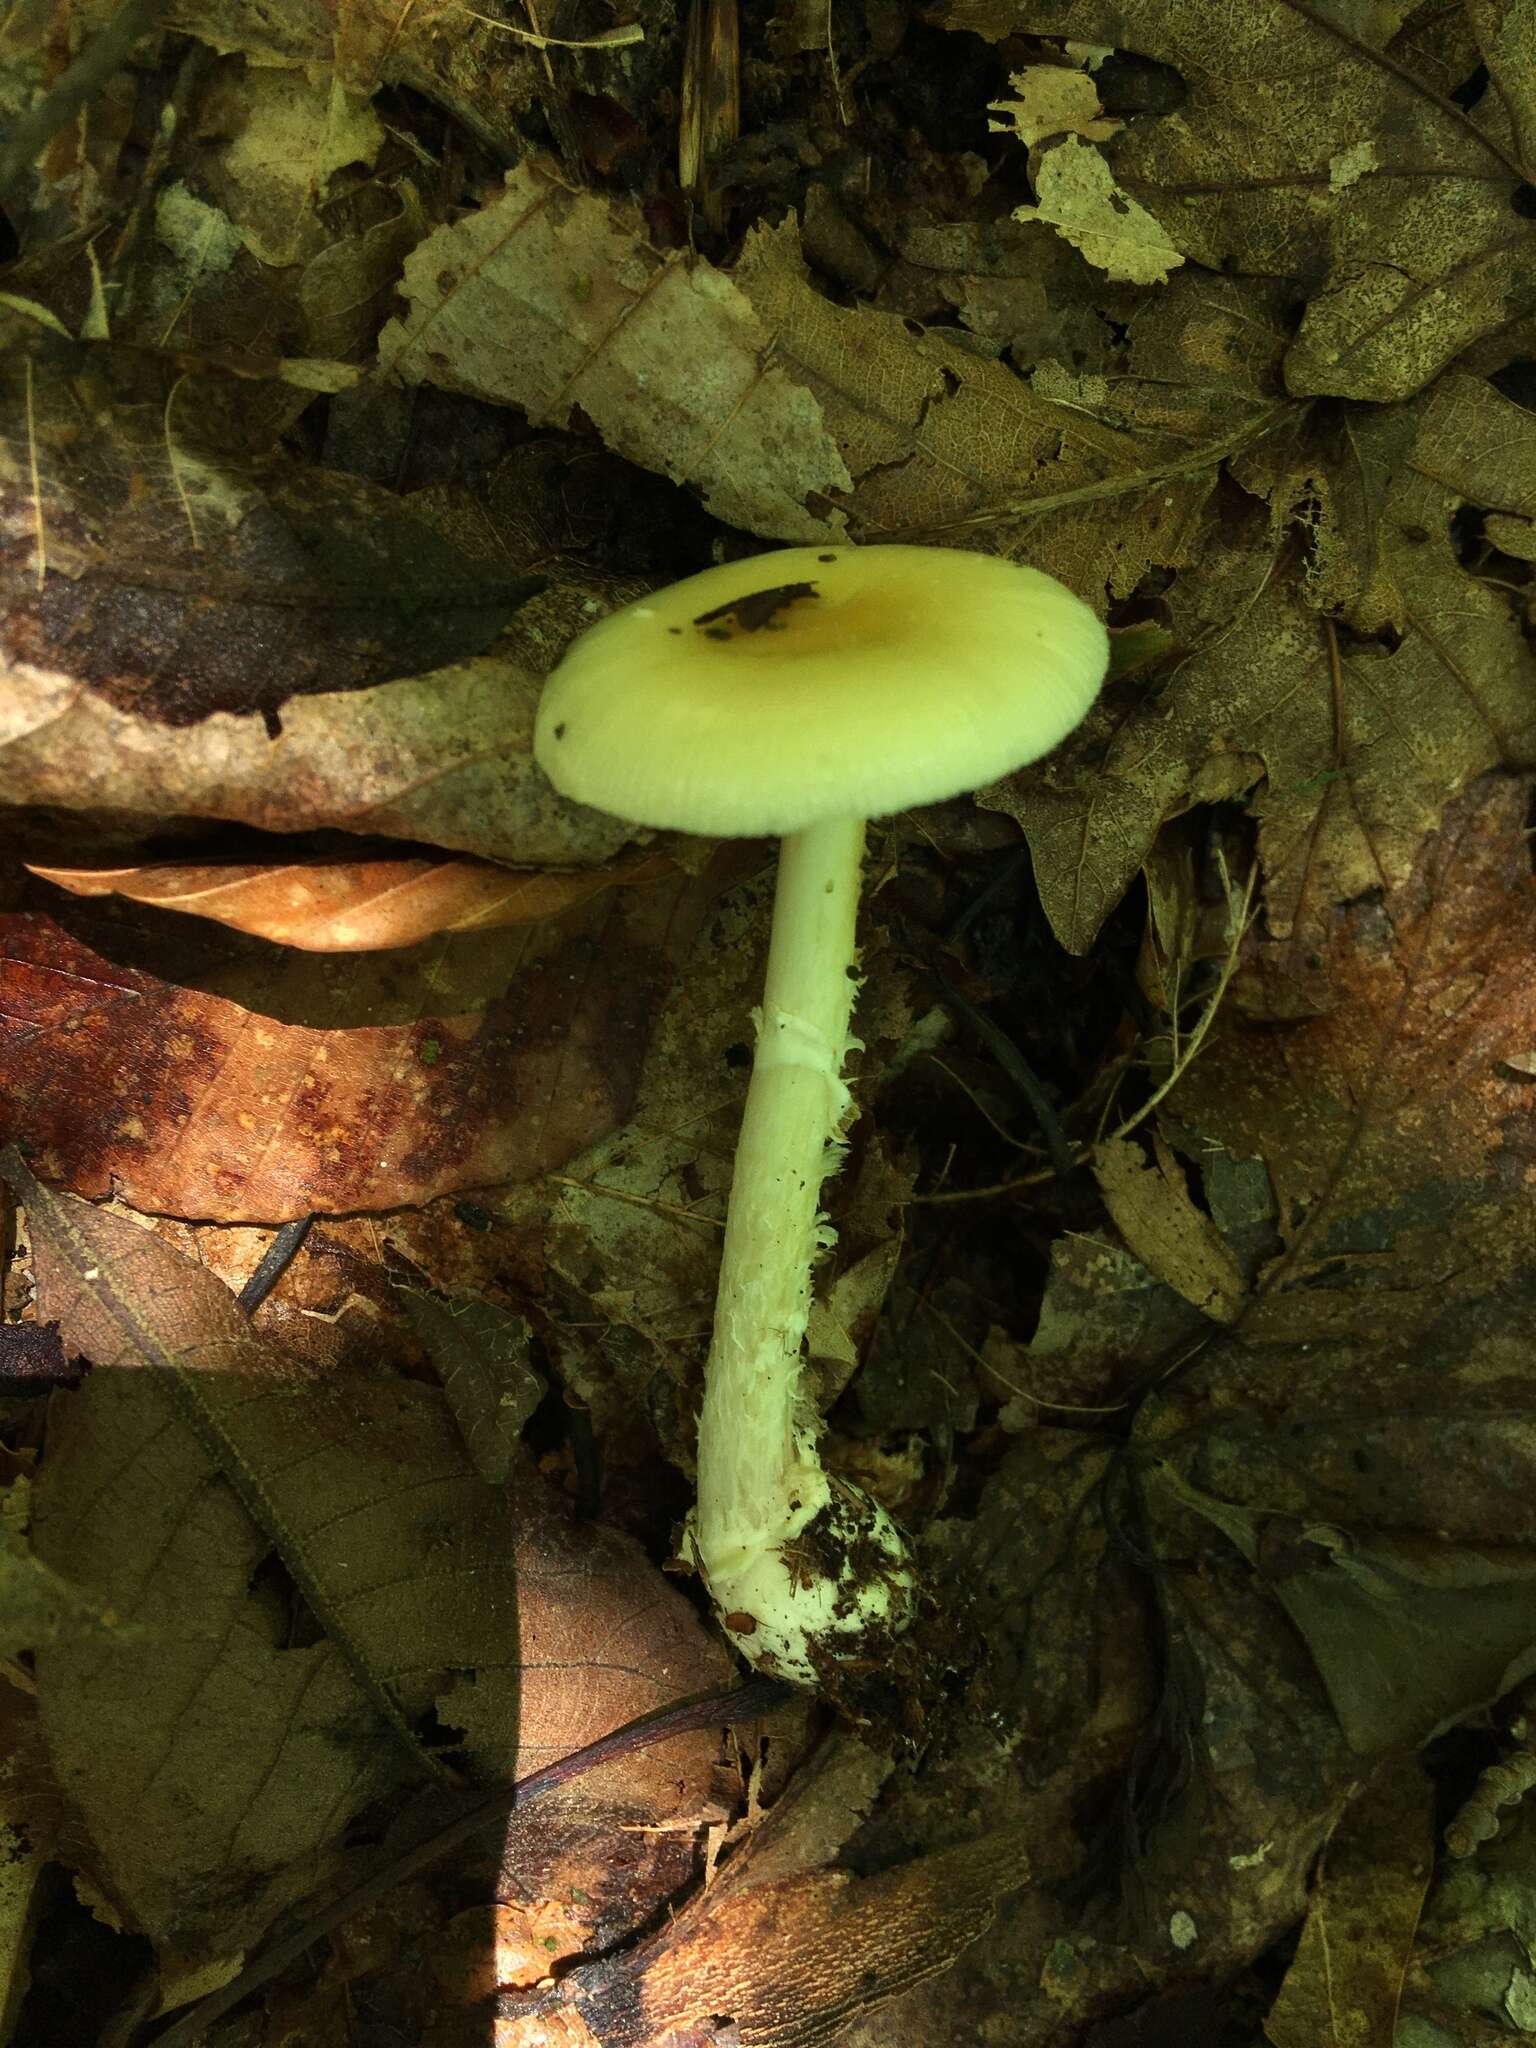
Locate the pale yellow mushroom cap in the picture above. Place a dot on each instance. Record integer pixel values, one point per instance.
(817, 683)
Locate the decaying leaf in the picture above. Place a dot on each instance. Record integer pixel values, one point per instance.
(1428, 993)
(225, 1505)
(1347, 1977)
(36, 1604)
(1215, 1433)
(794, 1960)
(1080, 199)
(1478, 444)
(34, 1837)
(1053, 100)
(1102, 1308)
(1153, 1211)
(193, 1105)
(1356, 746)
(1297, 152)
(296, 134)
(444, 757)
(169, 580)
(1408, 1634)
(481, 1354)
(551, 299)
(935, 435)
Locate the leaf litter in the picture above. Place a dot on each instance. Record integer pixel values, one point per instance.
(1186, 1245)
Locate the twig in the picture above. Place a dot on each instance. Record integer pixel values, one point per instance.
(274, 1263)
(168, 131)
(1020, 1073)
(596, 1187)
(996, 1372)
(620, 38)
(981, 1109)
(1201, 1032)
(37, 483)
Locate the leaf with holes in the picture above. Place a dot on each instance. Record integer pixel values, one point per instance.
(553, 299)
(1356, 745)
(1325, 147)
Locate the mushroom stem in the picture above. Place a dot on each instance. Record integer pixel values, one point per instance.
(801, 1568)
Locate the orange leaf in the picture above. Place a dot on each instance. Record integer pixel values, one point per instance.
(358, 906)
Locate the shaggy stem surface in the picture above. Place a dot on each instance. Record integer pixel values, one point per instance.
(801, 1568)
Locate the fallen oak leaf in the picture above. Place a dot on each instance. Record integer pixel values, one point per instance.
(360, 905)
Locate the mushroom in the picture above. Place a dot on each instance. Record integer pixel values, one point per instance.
(800, 693)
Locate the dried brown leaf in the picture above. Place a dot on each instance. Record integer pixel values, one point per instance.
(934, 433)
(1479, 444)
(1393, 1128)
(481, 1352)
(358, 906)
(1153, 1211)
(1357, 746)
(1053, 99)
(192, 1105)
(295, 134)
(445, 757)
(1079, 198)
(793, 1961)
